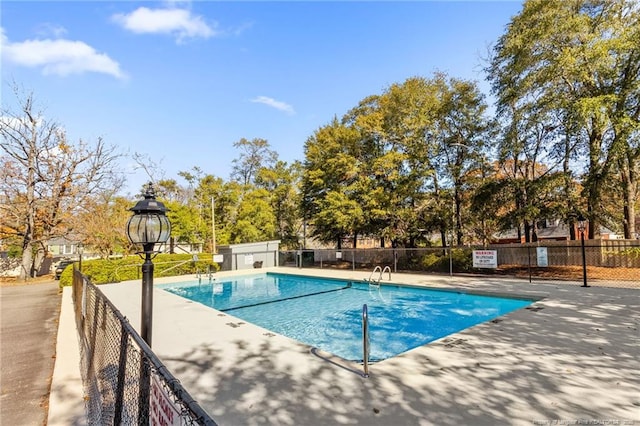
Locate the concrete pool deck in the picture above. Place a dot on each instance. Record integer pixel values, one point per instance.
(572, 356)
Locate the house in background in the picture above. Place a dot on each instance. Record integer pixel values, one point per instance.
(549, 230)
(62, 247)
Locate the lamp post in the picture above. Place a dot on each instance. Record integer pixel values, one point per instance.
(80, 249)
(582, 226)
(148, 226)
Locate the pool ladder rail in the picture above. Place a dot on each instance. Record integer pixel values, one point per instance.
(365, 340)
(199, 276)
(381, 273)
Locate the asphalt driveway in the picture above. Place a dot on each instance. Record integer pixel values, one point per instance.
(28, 329)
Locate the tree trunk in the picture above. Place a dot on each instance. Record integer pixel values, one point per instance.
(527, 232)
(27, 242)
(39, 259)
(458, 218)
(568, 183)
(629, 191)
(595, 179)
(27, 260)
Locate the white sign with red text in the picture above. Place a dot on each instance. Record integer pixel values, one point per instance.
(163, 411)
(485, 258)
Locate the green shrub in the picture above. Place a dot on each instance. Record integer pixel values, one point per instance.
(438, 261)
(102, 271)
(462, 260)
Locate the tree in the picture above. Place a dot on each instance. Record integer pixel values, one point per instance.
(393, 157)
(101, 221)
(463, 139)
(45, 178)
(282, 182)
(330, 183)
(415, 138)
(254, 155)
(255, 220)
(578, 63)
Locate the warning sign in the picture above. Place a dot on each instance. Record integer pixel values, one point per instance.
(163, 411)
(485, 258)
(542, 257)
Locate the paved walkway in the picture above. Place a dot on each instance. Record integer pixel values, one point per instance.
(28, 330)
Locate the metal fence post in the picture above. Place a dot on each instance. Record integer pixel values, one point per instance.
(122, 366)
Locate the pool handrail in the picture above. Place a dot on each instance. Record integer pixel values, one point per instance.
(365, 340)
(377, 268)
(386, 269)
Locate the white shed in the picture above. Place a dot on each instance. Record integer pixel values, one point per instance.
(262, 254)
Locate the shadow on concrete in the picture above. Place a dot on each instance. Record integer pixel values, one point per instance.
(562, 359)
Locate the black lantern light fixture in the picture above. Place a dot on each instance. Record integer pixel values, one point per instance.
(582, 226)
(148, 226)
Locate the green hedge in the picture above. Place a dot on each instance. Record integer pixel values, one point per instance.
(102, 271)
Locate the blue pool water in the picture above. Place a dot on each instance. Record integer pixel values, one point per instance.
(327, 313)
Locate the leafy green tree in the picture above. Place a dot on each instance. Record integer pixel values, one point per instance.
(186, 226)
(224, 197)
(416, 138)
(282, 182)
(576, 65)
(255, 220)
(184, 223)
(462, 133)
(329, 183)
(392, 148)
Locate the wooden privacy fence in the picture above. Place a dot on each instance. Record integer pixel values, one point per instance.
(603, 253)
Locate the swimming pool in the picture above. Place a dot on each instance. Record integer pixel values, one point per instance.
(327, 313)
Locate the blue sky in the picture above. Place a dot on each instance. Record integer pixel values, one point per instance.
(180, 82)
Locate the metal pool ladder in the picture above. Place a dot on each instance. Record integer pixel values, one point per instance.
(365, 340)
(382, 271)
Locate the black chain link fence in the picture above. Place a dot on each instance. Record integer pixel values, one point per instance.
(125, 383)
(610, 263)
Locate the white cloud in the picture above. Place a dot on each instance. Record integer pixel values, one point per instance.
(180, 23)
(60, 57)
(279, 105)
(49, 29)
(17, 122)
